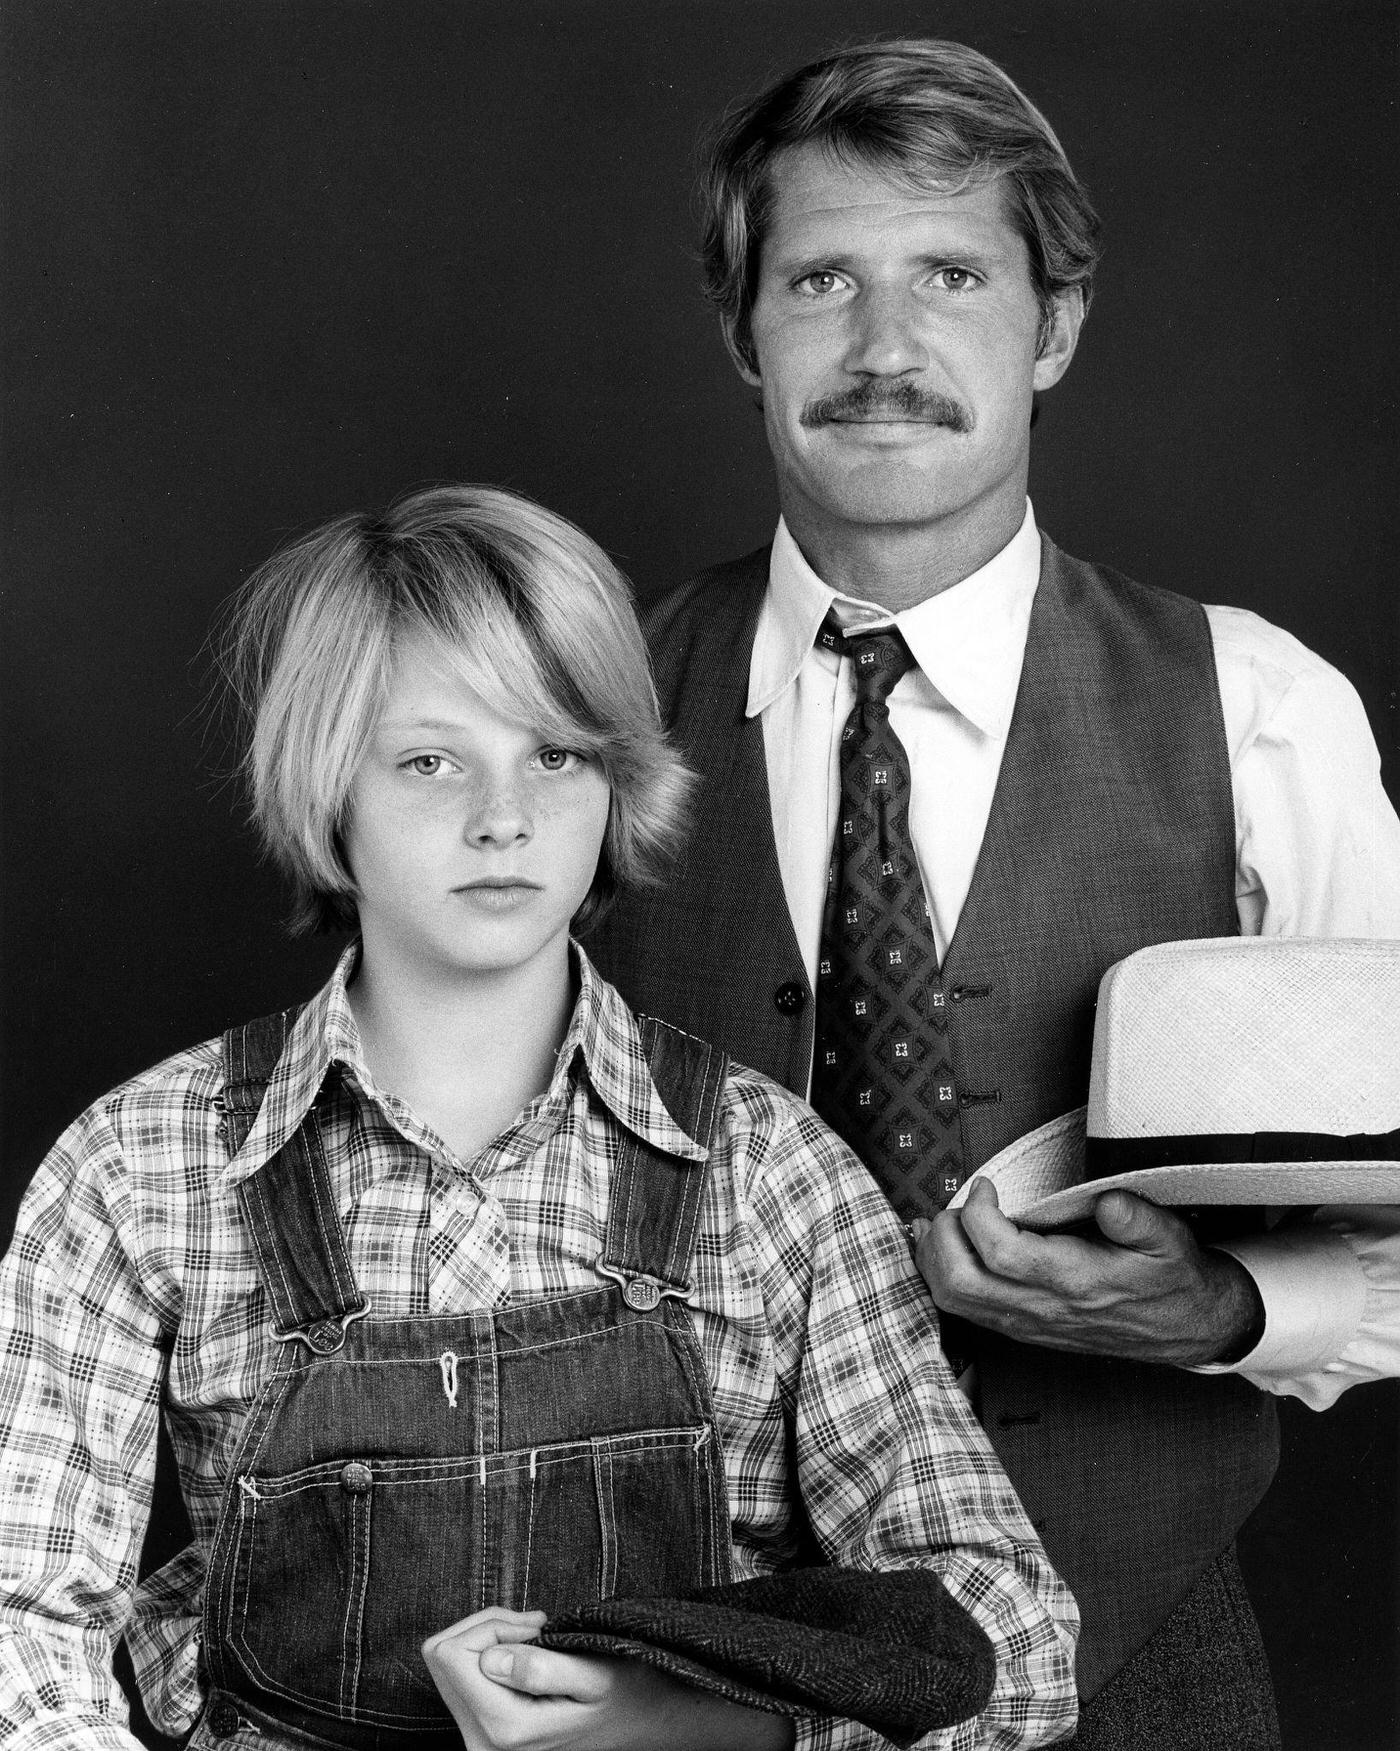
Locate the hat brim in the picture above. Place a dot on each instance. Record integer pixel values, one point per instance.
(1040, 1180)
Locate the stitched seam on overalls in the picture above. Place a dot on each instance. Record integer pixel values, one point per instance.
(327, 1216)
(235, 1519)
(406, 1472)
(607, 1521)
(351, 1644)
(598, 1332)
(253, 1190)
(529, 1535)
(487, 1433)
(627, 1165)
(364, 1716)
(711, 1088)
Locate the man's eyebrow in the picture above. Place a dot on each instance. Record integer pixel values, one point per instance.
(811, 261)
(801, 263)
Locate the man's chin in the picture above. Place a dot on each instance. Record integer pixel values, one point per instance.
(888, 492)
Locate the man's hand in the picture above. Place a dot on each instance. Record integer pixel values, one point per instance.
(1142, 1288)
(506, 1696)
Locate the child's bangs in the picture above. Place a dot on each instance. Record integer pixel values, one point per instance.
(512, 669)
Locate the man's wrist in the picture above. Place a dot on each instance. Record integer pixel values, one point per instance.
(1244, 1314)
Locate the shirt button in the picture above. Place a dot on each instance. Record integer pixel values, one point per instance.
(223, 1720)
(356, 1478)
(790, 999)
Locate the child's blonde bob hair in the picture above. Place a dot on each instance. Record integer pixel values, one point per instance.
(532, 614)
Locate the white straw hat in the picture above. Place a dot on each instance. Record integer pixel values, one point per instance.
(1262, 1070)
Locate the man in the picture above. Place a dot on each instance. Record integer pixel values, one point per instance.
(951, 775)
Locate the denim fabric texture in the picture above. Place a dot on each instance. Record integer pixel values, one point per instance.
(395, 1475)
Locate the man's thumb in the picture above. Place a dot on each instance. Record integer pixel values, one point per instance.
(1127, 1220)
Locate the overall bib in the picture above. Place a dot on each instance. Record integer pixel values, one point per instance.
(395, 1475)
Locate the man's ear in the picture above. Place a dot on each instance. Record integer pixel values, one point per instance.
(1060, 339)
(739, 342)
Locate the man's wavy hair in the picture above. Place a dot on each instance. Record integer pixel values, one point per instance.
(532, 615)
(921, 111)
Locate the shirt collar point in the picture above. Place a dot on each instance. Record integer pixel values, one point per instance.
(322, 1035)
(610, 1041)
(794, 606)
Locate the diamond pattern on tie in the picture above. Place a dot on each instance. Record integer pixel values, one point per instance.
(882, 1074)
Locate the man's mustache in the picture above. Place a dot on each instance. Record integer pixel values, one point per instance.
(892, 401)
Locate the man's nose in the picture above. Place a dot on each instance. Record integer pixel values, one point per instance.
(887, 339)
(499, 815)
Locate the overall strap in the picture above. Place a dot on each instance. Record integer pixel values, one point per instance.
(656, 1197)
(251, 1053)
(289, 1203)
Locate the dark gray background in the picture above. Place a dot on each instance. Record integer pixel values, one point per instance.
(269, 260)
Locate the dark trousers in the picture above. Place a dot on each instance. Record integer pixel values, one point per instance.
(1201, 1684)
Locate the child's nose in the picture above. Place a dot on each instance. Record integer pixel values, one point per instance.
(500, 816)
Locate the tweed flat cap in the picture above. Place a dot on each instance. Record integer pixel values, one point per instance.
(893, 1650)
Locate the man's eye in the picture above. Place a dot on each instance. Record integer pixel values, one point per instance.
(819, 284)
(557, 759)
(955, 279)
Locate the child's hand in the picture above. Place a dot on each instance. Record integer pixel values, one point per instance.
(506, 1696)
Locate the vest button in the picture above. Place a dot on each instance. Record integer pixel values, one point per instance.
(356, 1478)
(790, 999)
(223, 1719)
(640, 1294)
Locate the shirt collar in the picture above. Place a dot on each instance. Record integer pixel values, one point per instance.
(968, 640)
(602, 1036)
(605, 1032)
(323, 1034)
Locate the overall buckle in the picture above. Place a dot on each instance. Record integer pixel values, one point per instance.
(324, 1336)
(640, 1291)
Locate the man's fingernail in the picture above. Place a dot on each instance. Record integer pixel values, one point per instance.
(497, 1662)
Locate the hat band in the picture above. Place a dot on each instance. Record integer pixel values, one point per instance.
(1109, 1155)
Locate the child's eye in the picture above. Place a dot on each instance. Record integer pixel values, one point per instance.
(558, 759)
(427, 765)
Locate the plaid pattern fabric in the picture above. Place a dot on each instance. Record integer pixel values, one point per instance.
(130, 1265)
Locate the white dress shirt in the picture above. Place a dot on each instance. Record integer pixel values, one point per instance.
(1317, 854)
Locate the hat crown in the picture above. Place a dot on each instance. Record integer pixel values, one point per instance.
(1244, 1035)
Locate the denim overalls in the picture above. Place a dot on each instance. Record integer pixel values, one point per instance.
(395, 1475)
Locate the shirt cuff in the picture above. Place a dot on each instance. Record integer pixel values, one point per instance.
(1314, 1295)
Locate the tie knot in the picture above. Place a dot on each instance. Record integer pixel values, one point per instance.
(878, 658)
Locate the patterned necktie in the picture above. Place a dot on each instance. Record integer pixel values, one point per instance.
(881, 1076)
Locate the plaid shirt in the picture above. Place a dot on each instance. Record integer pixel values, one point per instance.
(131, 1266)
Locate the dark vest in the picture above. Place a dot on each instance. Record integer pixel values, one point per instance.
(1112, 827)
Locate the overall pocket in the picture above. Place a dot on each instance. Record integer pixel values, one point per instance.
(340, 1570)
(657, 1513)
